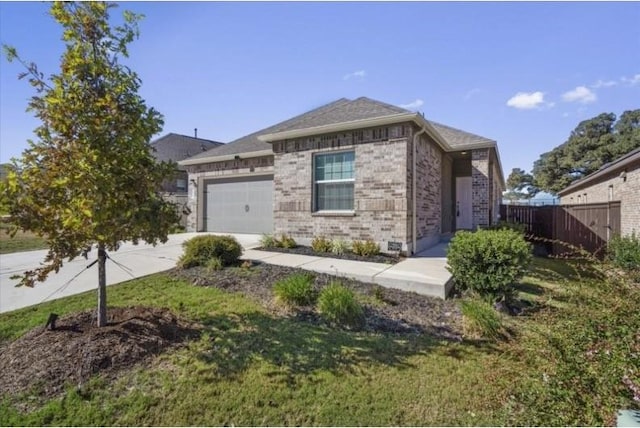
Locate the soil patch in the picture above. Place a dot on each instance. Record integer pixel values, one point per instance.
(308, 251)
(77, 349)
(387, 310)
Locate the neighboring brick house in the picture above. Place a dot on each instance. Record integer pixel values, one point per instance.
(617, 181)
(352, 169)
(176, 147)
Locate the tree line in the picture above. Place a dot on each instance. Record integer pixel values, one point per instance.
(592, 144)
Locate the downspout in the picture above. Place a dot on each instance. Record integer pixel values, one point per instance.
(414, 228)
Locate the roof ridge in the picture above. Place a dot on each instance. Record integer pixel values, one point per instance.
(383, 104)
(206, 140)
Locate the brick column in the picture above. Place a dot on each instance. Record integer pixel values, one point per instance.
(480, 187)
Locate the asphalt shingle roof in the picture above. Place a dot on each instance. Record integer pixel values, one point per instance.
(339, 111)
(457, 138)
(177, 147)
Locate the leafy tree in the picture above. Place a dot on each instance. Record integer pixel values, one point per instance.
(592, 144)
(520, 185)
(90, 176)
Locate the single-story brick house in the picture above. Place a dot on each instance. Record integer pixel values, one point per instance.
(352, 169)
(618, 180)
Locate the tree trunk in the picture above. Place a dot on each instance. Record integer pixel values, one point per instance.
(102, 286)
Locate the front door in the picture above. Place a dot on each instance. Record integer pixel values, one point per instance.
(463, 203)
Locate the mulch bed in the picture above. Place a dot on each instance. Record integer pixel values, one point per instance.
(308, 251)
(387, 310)
(77, 349)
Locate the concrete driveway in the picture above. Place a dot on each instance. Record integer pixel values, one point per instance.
(141, 260)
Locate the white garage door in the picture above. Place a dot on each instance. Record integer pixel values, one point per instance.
(239, 205)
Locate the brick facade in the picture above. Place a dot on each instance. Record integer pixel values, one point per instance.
(230, 168)
(481, 187)
(381, 187)
(429, 192)
(613, 187)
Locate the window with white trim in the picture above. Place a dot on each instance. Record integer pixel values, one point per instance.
(181, 184)
(333, 175)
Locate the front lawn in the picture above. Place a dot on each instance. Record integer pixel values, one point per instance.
(22, 241)
(251, 366)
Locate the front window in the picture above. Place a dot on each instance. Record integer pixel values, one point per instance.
(181, 184)
(334, 175)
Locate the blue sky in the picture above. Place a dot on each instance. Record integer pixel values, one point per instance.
(524, 74)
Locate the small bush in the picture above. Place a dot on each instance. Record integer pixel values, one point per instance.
(480, 319)
(338, 304)
(508, 225)
(339, 246)
(488, 262)
(295, 290)
(214, 264)
(286, 241)
(268, 241)
(199, 250)
(624, 253)
(365, 248)
(320, 244)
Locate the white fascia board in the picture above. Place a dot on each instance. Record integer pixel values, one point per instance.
(223, 158)
(337, 127)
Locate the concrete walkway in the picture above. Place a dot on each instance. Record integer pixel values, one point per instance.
(424, 274)
(142, 259)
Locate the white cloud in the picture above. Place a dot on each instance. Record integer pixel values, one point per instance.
(527, 100)
(604, 84)
(633, 80)
(413, 105)
(471, 93)
(359, 73)
(580, 94)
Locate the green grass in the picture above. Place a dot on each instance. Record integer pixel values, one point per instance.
(253, 368)
(22, 241)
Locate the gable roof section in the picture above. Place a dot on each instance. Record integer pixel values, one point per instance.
(176, 147)
(618, 164)
(251, 144)
(461, 140)
(340, 115)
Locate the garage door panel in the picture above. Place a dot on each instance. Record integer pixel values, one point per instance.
(239, 206)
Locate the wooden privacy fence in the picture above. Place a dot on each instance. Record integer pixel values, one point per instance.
(589, 226)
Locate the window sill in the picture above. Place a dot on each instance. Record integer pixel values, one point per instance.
(333, 214)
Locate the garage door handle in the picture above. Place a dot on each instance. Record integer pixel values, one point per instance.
(246, 208)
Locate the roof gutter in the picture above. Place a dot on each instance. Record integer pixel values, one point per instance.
(222, 158)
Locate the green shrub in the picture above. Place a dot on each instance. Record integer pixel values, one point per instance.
(338, 304)
(296, 289)
(508, 225)
(339, 246)
(286, 241)
(199, 250)
(480, 319)
(320, 244)
(214, 264)
(365, 248)
(624, 253)
(268, 241)
(488, 262)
